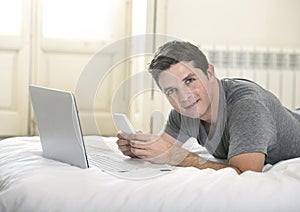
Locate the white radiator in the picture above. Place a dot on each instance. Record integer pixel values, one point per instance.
(277, 70)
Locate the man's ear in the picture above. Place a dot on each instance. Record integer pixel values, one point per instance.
(211, 71)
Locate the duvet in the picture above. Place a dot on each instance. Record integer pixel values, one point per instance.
(30, 182)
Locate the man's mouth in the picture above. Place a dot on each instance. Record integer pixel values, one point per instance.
(191, 105)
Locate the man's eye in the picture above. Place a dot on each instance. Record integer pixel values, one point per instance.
(170, 91)
(190, 80)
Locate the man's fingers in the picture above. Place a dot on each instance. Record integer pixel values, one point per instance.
(135, 144)
(122, 142)
(125, 148)
(130, 154)
(141, 153)
(121, 135)
(141, 137)
(138, 137)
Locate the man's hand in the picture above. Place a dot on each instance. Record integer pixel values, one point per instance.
(153, 148)
(124, 145)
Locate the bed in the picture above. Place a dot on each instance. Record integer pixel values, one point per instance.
(30, 182)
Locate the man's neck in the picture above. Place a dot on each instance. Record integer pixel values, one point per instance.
(212, 118)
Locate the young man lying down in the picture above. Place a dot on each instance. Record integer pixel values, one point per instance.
(233, 119)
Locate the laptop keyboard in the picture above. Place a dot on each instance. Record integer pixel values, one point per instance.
(108, 163)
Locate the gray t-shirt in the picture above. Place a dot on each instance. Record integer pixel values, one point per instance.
(250, 119)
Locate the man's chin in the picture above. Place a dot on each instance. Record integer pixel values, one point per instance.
(194, 116)
(190, 114)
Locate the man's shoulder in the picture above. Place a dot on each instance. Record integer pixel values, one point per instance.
(240, 85)
(236, 89)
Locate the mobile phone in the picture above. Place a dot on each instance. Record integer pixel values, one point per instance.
(123, 123)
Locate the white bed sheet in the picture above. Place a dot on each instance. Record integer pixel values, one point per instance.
(29, 182)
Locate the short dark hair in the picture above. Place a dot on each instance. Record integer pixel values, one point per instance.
(174, 52)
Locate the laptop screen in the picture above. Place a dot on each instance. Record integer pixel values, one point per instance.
(58, 125)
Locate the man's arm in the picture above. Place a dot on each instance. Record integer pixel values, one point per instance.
(241, 163)
(166, 149)
(253, 161)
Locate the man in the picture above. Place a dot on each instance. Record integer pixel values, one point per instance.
(234, 119)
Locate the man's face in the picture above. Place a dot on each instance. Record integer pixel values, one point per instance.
(188, 89)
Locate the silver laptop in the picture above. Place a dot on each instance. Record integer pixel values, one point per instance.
(60, 132)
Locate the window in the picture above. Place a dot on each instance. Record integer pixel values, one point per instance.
(80, 19)
(10, 17)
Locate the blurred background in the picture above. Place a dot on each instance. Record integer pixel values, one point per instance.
(50, 42)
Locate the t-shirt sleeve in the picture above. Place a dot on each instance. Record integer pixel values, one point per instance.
(251, 128)
(175, 128)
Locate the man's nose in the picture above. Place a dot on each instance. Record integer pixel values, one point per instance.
(184, 95)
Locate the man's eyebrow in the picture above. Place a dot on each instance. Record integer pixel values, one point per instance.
(167, 88)
(188, 76)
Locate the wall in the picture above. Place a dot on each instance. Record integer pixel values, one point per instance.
(267, 23)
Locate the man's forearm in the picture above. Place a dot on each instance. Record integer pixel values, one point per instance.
(193, 160)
